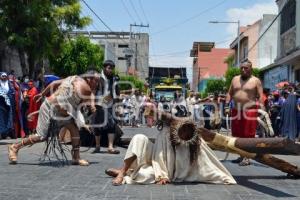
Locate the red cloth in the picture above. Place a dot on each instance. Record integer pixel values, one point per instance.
(33, 106)
(17, 117)
(244, 123)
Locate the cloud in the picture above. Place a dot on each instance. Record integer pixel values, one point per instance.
(249, 15)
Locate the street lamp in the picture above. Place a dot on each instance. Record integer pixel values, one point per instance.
(238, 32)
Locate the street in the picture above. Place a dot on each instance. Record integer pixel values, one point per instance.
(31, 179)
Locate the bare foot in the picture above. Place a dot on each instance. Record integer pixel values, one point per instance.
(112, 172)
(118, 180)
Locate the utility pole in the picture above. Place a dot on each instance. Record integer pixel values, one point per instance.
(130, 51)
(238, 36)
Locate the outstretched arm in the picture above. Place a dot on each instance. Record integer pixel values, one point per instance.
(50, 88)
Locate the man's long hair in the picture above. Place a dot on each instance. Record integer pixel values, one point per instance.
(193, 142)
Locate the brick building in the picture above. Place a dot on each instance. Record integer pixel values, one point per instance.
(208, 63)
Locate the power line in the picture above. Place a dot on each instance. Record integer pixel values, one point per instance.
(172, 53)
(186, 51)
(191, 18)
(108, 26)
(132, 5)
(87, 5)
(226, 40)
(143, 11)
(126, 9)
(252, 47)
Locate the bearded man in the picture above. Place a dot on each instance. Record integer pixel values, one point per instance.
(179, 154)
(104, 120)
(244, 91)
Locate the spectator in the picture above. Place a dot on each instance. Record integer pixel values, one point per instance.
(6, 106)
(33, 107)
(288, 116)
(244, 90)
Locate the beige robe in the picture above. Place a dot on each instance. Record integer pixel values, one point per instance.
(158, 160)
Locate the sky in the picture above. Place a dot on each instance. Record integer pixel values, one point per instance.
(175, 24)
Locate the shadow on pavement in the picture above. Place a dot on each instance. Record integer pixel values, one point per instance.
(5, 143)
(253, 163)
(53, 164)
(246, 182)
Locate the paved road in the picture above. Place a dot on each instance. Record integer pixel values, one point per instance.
(31, 179)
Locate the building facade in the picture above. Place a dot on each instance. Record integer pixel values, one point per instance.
(130, 52)
(287, 62)
(208, 62)
(261, 51)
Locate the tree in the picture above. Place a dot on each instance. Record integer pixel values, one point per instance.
(230, 73)
(229, 61)
(138, 84)
(37, 28)
(215, 85)
(234, 71)
(76, 57)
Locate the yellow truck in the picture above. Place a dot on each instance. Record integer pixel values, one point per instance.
(166, 81)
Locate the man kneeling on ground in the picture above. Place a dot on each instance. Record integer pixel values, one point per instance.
(179, 154)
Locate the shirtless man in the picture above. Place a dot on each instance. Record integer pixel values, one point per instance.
(62, 108)
(245, 90)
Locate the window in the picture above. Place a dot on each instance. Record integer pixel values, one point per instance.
(297, 75)
(121, 58)
(123, 46)
(245, 52)
(288, 16)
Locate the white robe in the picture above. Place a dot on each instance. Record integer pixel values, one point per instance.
(158, 160)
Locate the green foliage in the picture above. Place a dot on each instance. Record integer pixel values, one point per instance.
(37, 28)
(230, 73)
(215, 85)
(256, 72)
(139, 84)
(204, 94)
(230, 61)
(76, 57)
(234, 71)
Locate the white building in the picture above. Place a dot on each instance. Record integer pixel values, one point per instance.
(130, 54)
(287, 63)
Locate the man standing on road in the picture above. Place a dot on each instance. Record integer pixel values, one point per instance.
(62, 109)
(106, 95)
(245, 90)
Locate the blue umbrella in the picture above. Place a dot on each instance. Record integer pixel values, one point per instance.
(49, 78)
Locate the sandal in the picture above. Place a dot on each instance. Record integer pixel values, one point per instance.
(117, 181)
(244, 162)
(80, 162)
(113, 151)
(112, 172)
(238, 160)
(12, 154)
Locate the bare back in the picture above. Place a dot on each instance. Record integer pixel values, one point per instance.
(78, 92)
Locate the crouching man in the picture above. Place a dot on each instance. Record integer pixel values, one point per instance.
(62, 109)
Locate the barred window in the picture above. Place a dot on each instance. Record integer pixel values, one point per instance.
(288, 16)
